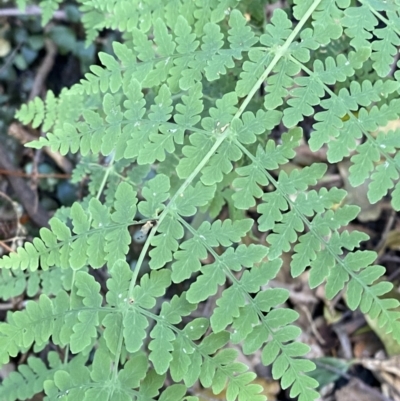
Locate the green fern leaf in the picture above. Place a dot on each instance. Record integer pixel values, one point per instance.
(71, 382)
(188, 111)
(384, 49)
(196, 196)
(65, 140)
(173, 311)
(134, 112)
(228, 306)
(241, 39)
(213, 274)
(248, 185)
(201, 144)
(309, 92)
(159, 143)
(326, 16)
(32, 112)
(134, 372)
(250, 125)
(13, 283)
(170, 230)
(114, 71)
(221, 163)
(331, 123)
(185, 69)
(113, 119)
(206, 284)
(358, 23)
(165, 48)
(96, 241)
(25, 327)
(382, 180)
(174, 392)
(48, 7)
(194, 153)
(150, 385)
(181, 361)
(150, 287)
(363, 163)
(212, 43)
(300, 50)
(80, 221)
(117, 296)
(252, 70)
(155, 192)
(187, 259)
(247, 188)
(118, 239)
(101, 367)
(161, 347)
(29, 379)
(135, 325)
(85, 329)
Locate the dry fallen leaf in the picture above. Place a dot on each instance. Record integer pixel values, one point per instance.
(356, 390)
(387, 372)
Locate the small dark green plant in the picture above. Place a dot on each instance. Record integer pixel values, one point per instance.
(171, 129)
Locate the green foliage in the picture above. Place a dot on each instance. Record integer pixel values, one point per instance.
(173, 127)
(29, 379)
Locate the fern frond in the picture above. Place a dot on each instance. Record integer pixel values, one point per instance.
(85, 329)
(325, 18)
(309, 90)
(14, 283)
(29, 379)
(187, 258)
(24, 328)
(52, 111)
(328, 265)
(361, 21)
(383, 176)
(58, 247)
(177, 114)
(346, 133)
(233, 303)
(247, 187)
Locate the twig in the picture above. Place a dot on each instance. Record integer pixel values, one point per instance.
(30, 10)
(39, 175)
(312, 324)
(8, 306)
(344, 341)
(17, 225)
(44, 69)
(24, 193)
(6, 247)
(379, 249)
(13, 239)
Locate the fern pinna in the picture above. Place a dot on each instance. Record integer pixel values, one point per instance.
(171, 129)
